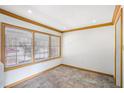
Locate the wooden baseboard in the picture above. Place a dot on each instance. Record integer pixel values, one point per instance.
(85, 69)
(35, 75)
(30, 77)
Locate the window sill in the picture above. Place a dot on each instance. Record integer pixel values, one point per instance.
(24, 65)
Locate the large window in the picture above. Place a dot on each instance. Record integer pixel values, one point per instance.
(18, 48)
(24, 46)
(41, 47)
(55, 46)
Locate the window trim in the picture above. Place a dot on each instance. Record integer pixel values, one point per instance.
(48, 47)
(57, 46)
(2, 50)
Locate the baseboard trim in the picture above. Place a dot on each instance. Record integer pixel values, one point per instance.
(30, 77)
(85, 69)
(35, 75)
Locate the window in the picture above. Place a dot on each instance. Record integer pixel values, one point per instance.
(24, 46)
(18, 47)
(55, 46)
(41, 47)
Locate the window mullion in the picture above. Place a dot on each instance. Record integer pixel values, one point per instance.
(49, 46)
(33, 47)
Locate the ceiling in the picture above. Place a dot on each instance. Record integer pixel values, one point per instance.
(64, 17)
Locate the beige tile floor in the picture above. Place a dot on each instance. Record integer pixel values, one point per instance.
(68, 77)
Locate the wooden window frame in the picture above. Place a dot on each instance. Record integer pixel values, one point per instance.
(57, 46)
(2, 50)
(48, 46)
(5, 44)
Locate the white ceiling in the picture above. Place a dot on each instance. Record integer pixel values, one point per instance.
(64, 17)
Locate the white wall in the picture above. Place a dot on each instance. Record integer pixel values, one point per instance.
(18, 74)
(1, 75)
(91, 49)
(10, 20)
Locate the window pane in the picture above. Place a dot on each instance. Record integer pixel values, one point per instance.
(41, 47)
(18, 47)
(11, 61)
(55, 46)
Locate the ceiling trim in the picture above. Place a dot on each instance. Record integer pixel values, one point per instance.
(2, 11)
(114, 20)
(90, 27)
(116, 14)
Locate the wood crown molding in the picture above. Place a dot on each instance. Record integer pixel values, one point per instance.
(114, 20)
(2, 11)
(90, 27)
(116, 14)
